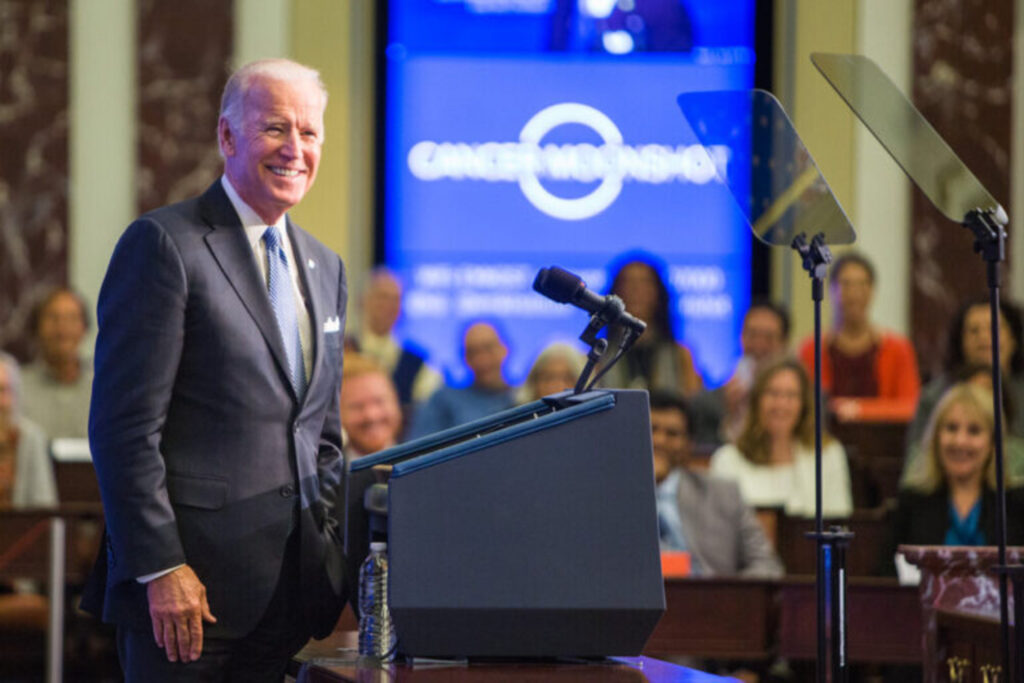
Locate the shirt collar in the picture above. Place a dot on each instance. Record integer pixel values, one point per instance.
(252, 223)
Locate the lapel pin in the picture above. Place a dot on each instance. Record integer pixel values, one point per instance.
(311, 263)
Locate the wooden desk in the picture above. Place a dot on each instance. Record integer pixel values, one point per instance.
(871, 438)
(757, 619)
(972, 639)
(335, 660)
(799, 554)
(76, 482)
(716, 617)
(884, 620)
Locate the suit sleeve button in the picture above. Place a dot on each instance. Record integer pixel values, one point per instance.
(287, 491)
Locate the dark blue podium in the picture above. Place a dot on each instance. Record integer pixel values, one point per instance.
(529, 533)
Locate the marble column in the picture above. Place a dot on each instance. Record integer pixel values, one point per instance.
(963, 69)
(185, 50)
(33, 161)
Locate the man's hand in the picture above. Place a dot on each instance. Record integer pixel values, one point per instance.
(177, 608)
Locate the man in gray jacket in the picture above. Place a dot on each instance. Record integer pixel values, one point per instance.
(699, 513)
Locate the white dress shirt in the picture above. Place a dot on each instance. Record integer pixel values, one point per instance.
(254, 228)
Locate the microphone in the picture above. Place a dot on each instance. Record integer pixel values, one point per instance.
(564, 287)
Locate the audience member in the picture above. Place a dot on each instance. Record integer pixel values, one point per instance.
(57, 385)
(657, 360)
(485, 354)
(1013, 445)
(370, 414)
(413, 379)
(26, 474)
(719, 414)
(556, 369)
(969, 342)
(700, 513)
(949, 497)
(869, 373)
(773, 458)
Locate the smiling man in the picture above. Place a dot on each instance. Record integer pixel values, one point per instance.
(370, 414)
(214, 423)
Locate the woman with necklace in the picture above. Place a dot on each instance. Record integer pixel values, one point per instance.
(949, 496)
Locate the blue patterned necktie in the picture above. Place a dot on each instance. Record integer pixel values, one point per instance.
(282, 300)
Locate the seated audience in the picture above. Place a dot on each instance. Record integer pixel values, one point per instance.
(868, 373)
(719, 414)
(370, 415)
(556, 369)
(700, 513)
(949, 497)
(56, 386)
(657, 360)
(381, 303)
(773, 458)
(26, 474)
(485, 354)
(969, 343)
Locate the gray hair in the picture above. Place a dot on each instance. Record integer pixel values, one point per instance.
(232, 102)
(556, 351)
(10, 363)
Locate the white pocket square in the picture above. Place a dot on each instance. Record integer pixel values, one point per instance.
(332, 325)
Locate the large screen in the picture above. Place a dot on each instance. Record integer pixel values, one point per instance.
(521, 134)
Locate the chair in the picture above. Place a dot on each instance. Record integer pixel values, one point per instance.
(799, 553)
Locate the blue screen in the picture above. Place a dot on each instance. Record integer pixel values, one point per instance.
(522, 134)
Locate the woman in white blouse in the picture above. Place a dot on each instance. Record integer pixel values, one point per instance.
(772, 461)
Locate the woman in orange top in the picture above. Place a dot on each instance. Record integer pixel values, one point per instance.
(868, 373)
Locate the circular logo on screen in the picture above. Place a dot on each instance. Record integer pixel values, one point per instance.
(604, 194)
(530, 161)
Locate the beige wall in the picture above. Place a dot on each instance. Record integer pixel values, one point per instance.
(870, 187)
(102, 136)
(337, 38)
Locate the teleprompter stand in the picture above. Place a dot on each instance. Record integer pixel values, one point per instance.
(990, 243)
(951, 187)
(831, 555)
(758, 155)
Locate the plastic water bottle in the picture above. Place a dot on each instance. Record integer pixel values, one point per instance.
(376, 633)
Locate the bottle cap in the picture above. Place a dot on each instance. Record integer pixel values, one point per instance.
(378, 546)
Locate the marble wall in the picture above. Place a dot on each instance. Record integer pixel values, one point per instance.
(185, 49)
(963, 71)
(33, 160)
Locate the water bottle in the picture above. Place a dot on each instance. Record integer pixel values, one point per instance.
(376, 633)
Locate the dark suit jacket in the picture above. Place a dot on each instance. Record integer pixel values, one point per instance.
(203, 451)
(923, 519)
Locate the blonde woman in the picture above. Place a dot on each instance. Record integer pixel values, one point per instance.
(949, 495)
(773, 458)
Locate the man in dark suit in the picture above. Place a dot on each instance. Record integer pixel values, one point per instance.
(214, 422)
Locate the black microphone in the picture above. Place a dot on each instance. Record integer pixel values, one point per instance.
(564, 287)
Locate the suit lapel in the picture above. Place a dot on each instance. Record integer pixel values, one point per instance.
(308, 277)
(233, 253)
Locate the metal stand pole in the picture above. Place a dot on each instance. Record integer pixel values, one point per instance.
(990, 242)
(831, 575)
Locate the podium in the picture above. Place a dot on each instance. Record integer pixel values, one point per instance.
(529, 533)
